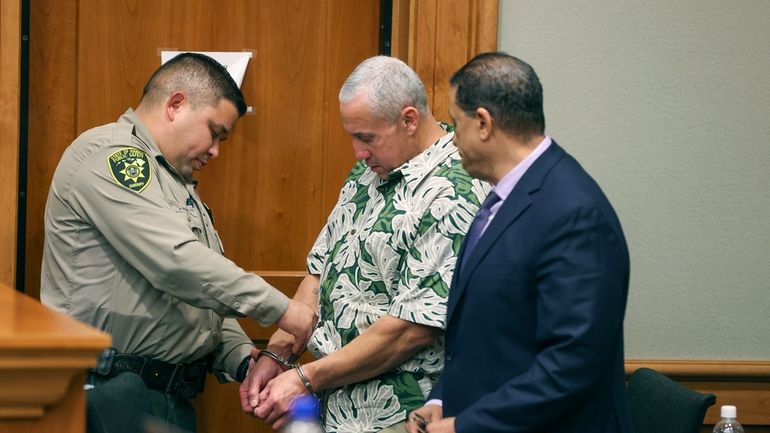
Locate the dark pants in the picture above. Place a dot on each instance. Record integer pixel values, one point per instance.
(124, 404)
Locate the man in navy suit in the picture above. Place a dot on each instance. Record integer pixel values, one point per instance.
(534, 337)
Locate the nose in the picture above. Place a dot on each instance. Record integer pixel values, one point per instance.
(359, 151)
(214, 150)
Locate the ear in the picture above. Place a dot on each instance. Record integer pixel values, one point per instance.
(485, 123)
(409, 119)
(174, 103)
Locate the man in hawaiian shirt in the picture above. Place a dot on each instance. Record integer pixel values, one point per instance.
(380, 270)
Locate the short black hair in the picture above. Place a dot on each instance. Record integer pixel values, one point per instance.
(505, 86)
(204, 80)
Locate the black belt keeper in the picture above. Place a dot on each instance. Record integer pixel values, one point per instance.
(183, 380)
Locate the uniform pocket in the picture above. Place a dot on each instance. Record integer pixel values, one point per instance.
(192, 216)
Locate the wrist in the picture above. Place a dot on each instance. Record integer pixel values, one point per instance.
(284, 363)
(283, 353)
(313, 374)
(281, 344)
(303, 377)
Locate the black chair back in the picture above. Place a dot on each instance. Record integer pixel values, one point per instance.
(661, 405)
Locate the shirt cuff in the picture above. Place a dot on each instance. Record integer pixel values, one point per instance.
(434, 402)
(243, 368)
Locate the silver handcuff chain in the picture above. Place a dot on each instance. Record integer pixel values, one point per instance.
(277, 358)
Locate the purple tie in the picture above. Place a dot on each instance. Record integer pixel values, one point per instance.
(478, 224)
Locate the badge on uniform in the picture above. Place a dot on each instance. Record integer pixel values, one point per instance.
(130, 167)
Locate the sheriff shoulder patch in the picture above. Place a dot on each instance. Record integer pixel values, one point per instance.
(130, 167)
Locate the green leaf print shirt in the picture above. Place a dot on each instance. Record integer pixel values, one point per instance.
(389, 247)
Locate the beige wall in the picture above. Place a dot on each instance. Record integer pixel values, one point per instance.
(667, 104)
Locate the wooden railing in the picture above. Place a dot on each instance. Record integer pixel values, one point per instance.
(44, 356)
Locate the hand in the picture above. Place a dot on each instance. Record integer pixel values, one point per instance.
(299, 321)
(419, 418)
(275, 399)
(444, 425)
(259, 373)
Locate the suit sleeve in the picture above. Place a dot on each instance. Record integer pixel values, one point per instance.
(581, 275)
(435, 393)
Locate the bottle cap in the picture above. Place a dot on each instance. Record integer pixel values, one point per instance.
(305, 408)
(729, 411)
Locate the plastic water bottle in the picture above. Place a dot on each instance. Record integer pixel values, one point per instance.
(728, 423)
(303, 416)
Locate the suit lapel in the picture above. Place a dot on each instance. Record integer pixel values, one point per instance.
(517, 202)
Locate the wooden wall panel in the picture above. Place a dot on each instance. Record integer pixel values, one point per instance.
(10, 61)
(52, 115)
(422, 45)
(268, 220)
(439, 37)
(347, 49)
(452, 50)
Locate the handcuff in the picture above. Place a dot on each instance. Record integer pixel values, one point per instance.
(288, 365)
(277, 358)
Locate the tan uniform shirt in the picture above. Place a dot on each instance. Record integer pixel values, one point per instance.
(130, 249)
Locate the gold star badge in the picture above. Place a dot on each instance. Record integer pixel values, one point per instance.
(130, 167)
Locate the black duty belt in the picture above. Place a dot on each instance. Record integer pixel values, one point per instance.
(183, 380)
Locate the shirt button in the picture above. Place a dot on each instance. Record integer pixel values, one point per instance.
(448, 357)
(237, 304)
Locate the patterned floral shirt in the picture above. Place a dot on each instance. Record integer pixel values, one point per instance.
(389, 247)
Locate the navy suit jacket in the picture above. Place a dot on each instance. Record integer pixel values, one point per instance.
(534, 337)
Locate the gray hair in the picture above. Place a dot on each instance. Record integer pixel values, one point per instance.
(390, 86)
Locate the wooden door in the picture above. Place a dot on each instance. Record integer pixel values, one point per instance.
(10, 65)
